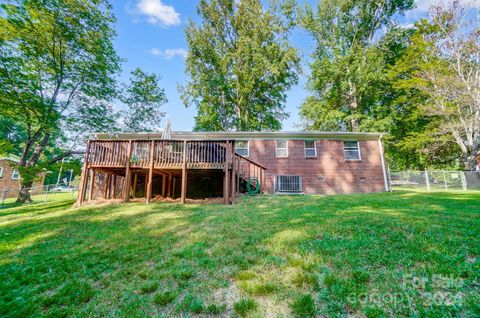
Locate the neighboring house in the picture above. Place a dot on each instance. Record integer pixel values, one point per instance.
(209, 164)
(10, 176)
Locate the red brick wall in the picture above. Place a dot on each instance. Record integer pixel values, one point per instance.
(329, 173)
(6, 181)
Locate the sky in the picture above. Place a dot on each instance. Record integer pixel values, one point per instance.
(150, 35)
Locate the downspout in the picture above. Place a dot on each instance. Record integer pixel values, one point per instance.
(384, 169)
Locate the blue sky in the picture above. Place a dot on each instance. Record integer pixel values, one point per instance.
(151, 36)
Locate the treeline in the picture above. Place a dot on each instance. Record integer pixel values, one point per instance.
(420, 84)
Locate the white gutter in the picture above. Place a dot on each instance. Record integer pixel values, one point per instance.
(384, 169)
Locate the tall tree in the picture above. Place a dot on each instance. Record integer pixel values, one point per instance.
(240, 65)
(55, 56)
(443, 63)
(347, 65)
(143, 97)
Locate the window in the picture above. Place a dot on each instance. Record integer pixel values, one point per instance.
(288, 184)
(15, 175)
(1, 172)
(310, 149)
(351, 150)
(282, 148)
(241, 147)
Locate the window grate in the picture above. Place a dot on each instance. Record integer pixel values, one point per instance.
(288, 184)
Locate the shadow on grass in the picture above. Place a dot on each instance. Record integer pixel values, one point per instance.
(115, 259)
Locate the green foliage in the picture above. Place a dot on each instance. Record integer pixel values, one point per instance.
(244, 306)
(240, 66)
(438, 65)
(143, 97)
(57, 70)
(348, 63)
(165, 298)
(304, 306)
(149, 287)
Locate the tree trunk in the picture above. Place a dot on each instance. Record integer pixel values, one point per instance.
(26, 184)
(24, 193)
(470, 161)
(353, 105)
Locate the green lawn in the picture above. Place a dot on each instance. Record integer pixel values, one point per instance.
(390, 254)
(41, 198)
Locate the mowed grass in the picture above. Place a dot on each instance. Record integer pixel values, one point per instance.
(376, 255)
(41, 198)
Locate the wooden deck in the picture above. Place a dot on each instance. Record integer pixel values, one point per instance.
(164, 154)
(169, 159)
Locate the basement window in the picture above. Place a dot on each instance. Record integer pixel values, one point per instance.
(351, 150)
(15, 175)
(281, 148)
(242, 147)
(1, 172)
(310, 149)
(288, 184)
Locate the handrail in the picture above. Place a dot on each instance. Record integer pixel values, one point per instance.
(251, 161)
(166, 153)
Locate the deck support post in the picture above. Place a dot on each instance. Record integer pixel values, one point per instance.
(148, 195)
(232, 188)
(164, 183)
(232, 174)
(84, 177)
(183, 192)
(106, 183)
(226, 179)
(135, 178)
(169, 185)
(92, 185)
(128, 174)
(114, 190)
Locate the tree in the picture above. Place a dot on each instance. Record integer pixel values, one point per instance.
(443, 63)
(55, 58)
(240, 65)
(348, 64)
(143, 98)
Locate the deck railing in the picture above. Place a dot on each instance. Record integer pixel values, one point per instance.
(166, 153)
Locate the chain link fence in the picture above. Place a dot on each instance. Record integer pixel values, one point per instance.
(39, 194)
(435, 180)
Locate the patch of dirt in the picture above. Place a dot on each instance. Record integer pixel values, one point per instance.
(227, 296)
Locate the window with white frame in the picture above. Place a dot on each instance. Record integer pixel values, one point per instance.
(15, 174)
(281, 148)
(1, 172)
(242, 147)
(310, 149)
(351, 150)
(288, 184)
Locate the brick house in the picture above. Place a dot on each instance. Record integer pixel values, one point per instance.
(10, 176)
(208, 164)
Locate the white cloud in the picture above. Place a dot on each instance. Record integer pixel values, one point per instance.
(424, 5)
(169, 54)
(158, 13)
